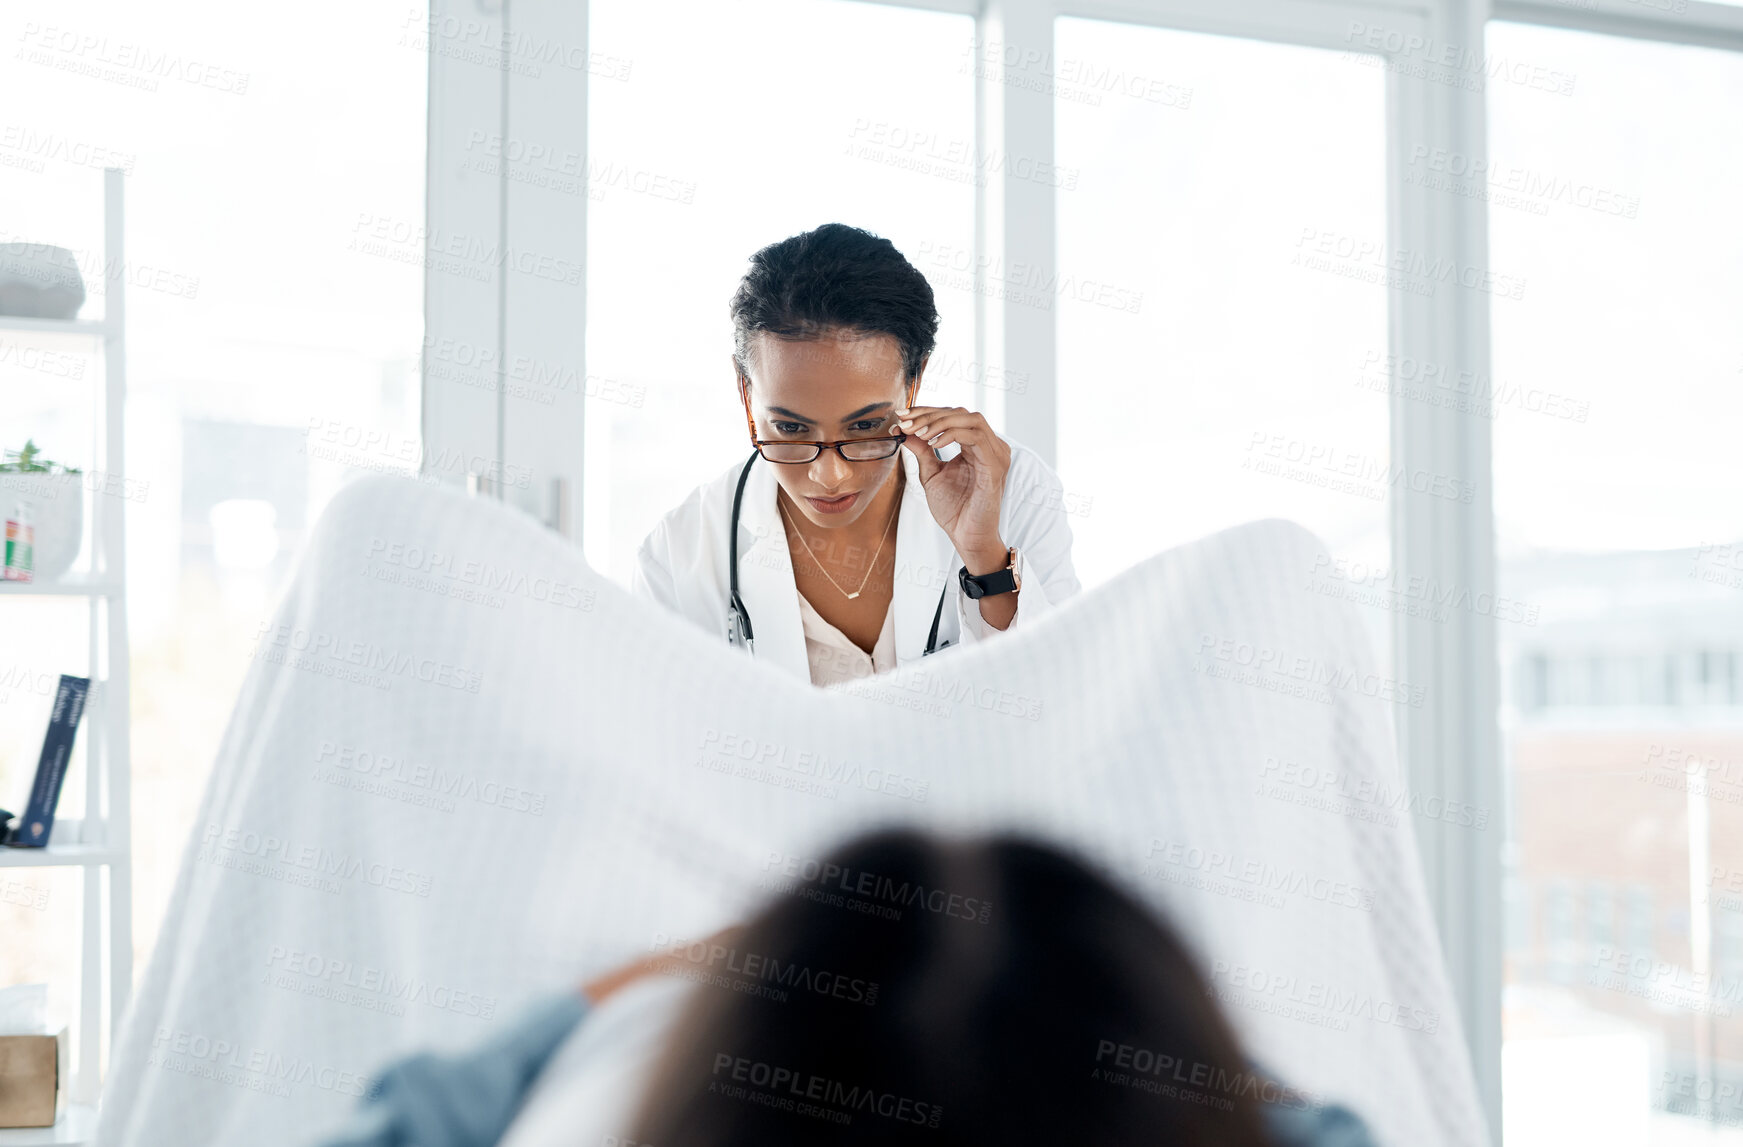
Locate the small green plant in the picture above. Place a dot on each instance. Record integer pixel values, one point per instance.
(29, 461)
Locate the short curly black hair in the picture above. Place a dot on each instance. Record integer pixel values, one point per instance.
(835, 278)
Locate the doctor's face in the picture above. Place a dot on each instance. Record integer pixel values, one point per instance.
(826, 390)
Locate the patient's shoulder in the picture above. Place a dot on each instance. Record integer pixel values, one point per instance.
(1332, 1125)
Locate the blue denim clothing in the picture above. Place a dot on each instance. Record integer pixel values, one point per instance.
(468, 1099)
(1328, 1126)
(462, 1099)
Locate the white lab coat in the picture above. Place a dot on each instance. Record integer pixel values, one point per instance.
(682, 564)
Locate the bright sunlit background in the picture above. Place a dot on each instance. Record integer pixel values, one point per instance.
(1236, 375)
(1616, 495)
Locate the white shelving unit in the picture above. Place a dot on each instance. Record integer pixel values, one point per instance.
(97, 842)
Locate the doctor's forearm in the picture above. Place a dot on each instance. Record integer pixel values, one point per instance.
(1000, 610)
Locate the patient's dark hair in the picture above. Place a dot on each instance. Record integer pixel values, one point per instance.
(991, 992)
(834, 279)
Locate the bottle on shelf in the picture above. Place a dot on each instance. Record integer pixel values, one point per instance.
(20, 544)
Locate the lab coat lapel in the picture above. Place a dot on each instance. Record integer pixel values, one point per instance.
(765, 576)
(925, 563)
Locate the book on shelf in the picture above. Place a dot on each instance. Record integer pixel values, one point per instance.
(31, 830)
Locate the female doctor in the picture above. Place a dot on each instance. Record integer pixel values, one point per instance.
(853, 548)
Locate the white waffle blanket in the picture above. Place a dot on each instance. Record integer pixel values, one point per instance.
(465, 768)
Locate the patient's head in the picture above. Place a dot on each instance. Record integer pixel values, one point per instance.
(936, 992)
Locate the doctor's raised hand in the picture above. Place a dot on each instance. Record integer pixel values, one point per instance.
(966, 492)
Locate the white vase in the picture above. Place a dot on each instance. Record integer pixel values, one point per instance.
(56, 506)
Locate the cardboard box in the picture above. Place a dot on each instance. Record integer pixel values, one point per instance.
(31, 1070)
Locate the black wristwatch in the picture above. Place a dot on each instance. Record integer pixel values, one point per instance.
(987, 585)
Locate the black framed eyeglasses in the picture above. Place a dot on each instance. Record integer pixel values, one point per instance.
(850, 449)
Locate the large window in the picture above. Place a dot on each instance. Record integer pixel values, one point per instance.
(1617, 396)
(1227, 198)
(760, 121)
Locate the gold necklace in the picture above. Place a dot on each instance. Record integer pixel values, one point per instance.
(874, 561)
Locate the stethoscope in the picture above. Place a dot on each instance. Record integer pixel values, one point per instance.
(738, 629)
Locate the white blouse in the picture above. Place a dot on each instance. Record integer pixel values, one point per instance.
(834, 658)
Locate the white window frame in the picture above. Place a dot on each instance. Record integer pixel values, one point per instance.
(1451, 748)
(521, 312)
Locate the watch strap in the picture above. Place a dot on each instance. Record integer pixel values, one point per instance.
(990, 584)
